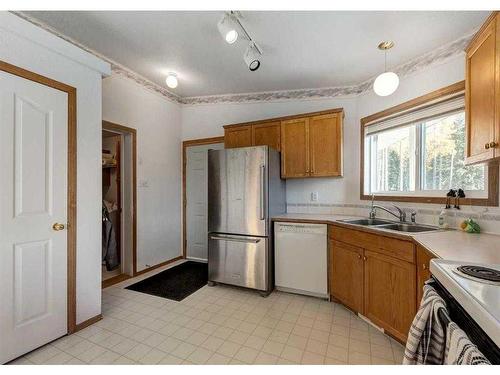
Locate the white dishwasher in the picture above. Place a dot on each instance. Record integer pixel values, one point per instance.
(300, 252)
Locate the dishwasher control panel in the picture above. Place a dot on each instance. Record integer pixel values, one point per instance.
(301, 228)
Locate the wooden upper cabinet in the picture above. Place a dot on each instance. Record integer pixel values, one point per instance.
(389, 293)
(325, 145)
(482, 93)
(295, 148)
(238, 136)
(423, 273)
(310, 144)
(346, 274)
(267, 133)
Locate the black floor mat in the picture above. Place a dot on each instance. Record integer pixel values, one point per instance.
(175, 283)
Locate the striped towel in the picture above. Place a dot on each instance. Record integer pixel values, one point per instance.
(460, 350)
(426, 341)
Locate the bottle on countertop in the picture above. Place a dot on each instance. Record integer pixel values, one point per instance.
(442, 222)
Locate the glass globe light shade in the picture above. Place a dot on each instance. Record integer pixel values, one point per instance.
(386, 83)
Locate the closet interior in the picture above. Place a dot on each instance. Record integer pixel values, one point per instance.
(111, 205)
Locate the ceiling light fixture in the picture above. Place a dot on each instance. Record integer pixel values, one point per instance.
(386, 83)
(252, 56)
(228, 27)
(171, 80)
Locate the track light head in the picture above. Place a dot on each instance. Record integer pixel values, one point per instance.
(252, 57)
(228, 28)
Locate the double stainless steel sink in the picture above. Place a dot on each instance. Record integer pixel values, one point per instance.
(391, 225)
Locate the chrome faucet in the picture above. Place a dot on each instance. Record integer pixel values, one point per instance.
(401, 215)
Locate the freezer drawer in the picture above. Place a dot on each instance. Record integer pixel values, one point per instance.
(239, 260)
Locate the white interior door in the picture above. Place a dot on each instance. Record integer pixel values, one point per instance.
(196, 200)
(33, 197)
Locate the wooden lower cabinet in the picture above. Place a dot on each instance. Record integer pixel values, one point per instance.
(389, 293)
(346, 281)
(423, 273)
(376, 276)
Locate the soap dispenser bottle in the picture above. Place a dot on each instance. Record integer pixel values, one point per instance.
(442, 220)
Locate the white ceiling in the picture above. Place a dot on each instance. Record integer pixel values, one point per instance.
(301, 49)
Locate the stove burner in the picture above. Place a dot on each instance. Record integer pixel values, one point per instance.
(482, 273)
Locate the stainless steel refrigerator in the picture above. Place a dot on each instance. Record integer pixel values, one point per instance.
(244, 191)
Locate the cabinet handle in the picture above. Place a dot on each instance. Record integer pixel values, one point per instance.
(424, 266)
(487, 146)
(493, 144)
(365, 258)
(359, 256)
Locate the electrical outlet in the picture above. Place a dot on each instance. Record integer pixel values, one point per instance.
(314, 196)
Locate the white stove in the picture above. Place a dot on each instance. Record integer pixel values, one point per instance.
(476, 287)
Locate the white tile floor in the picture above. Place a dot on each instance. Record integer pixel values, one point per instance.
(220, 325)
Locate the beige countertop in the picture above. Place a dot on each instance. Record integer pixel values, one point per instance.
(445, 244)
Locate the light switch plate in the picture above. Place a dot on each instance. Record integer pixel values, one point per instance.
(314, 196)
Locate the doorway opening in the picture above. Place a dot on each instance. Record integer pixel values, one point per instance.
(118, 203)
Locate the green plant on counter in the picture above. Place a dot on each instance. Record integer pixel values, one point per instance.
(470, 226)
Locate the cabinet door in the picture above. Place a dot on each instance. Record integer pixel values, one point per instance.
(346, 274)
(268, 134)
(481, 84)
(325, 145)
(423, 274)
(295, 148)
(389, 293)
(239, 136)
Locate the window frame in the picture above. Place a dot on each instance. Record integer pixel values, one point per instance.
(491, 172)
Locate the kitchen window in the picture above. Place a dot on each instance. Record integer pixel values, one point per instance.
(417, 153)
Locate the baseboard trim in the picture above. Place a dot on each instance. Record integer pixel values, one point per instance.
(87, 323)
(114, 280)
(158, 265)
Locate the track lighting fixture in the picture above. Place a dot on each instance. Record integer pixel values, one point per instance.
(171, 80)
(228, 28)
(252, 56)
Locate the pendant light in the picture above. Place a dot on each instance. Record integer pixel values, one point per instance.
(386, 83)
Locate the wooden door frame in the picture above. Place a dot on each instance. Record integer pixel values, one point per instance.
(72, 182)
(124, 130)
(185, 145)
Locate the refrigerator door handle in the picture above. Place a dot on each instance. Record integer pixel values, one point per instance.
(262, 192)
(235, 239)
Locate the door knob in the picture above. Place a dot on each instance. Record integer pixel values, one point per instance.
(487, 146)
(58, 226)
(493, 144)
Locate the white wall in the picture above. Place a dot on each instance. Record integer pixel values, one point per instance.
(200, 121)
(158, 125)
(31, 48)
